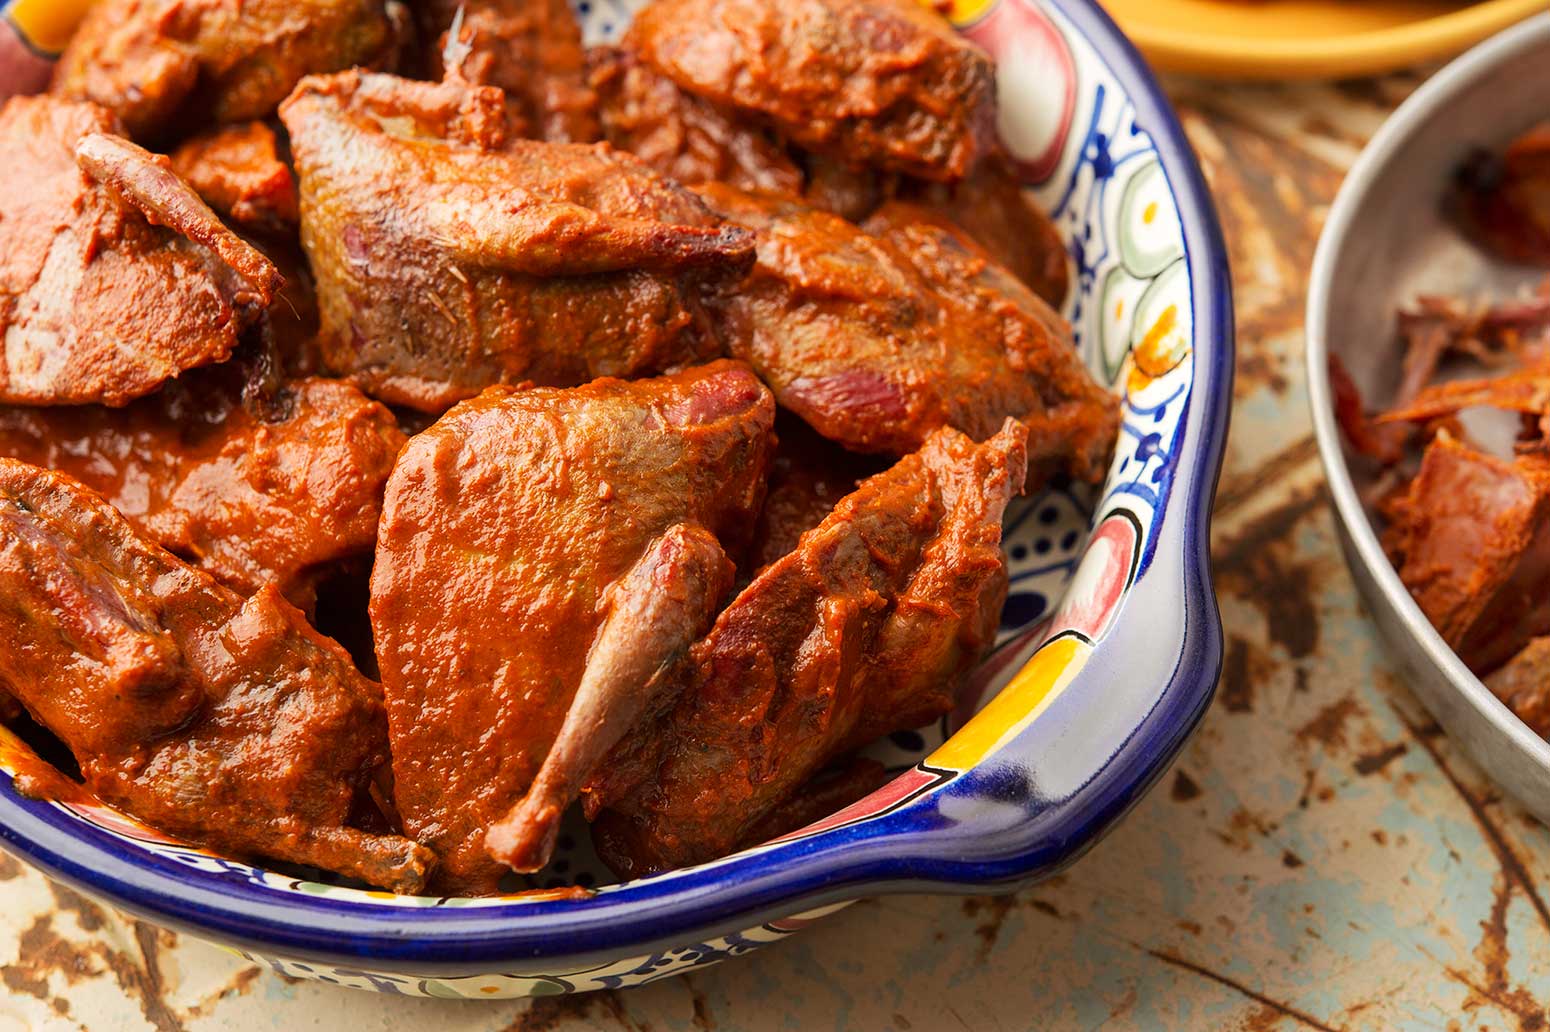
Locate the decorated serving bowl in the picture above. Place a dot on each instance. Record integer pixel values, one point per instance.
(1109, 652)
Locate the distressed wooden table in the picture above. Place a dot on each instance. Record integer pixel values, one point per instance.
(1320, 858)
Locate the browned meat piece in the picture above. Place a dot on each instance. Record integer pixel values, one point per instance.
(506, 260)
(992, 210)
(1471, 540)
(518, 540)
(1505, 199)
(246, 501)
(531, 49)
(680, 135)
(1525, 390)
(851, 193)
(885, 83)
(1438, 327)
(878, 341)
(809, 477)
(868, 627)
(230, 723)
(1524, 685)
(115, 276)
(165, 66)
(239, 172)
(828, 793)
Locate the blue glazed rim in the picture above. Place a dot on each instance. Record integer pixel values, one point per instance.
(958, 839)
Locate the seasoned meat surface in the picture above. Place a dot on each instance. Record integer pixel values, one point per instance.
(249, 500)
(867, 627)
(170, 66)
(877, 341)
(115, 277)
(226, 721)
(884, 83)
(535, 539)
(507, 260)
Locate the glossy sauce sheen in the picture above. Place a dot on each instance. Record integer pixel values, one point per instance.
(504, 525)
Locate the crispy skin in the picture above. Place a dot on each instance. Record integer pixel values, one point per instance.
(878, 341)
(225, 721)
(167, 66)
(884, 83)
(680, 135)
(1470, 537)
(506, 260)
(239, 172)
(248, 502)
(505, 525)
(991, 209)
(115, 277)
(1524, 685)
(530, 49)
(868, 627)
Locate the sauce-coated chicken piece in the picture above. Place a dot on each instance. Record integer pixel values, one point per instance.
(531, 50)
(876, 341)
(868, 627)
(1470, 537)
(238, 171)
(165, 66)
(114, 276)
(990, 208)
(542, 553)
(228, 722)
(248, 501)
(680, 135)
(884, 83)
(449, 257)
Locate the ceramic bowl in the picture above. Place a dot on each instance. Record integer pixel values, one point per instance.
(1385, 242)
(1111, 649)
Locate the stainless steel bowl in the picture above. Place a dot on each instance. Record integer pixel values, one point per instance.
(1385, 242)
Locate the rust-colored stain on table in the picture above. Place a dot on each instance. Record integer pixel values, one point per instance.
(1321, 857)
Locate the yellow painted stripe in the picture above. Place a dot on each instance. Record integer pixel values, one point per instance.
(1028, 694)
(47, 24)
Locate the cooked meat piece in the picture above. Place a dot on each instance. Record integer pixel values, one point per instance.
(885, 83)
(531, 49)
(228, 722)
(1504, 200)
(1471, 540)
(506, 260)
(1524, 390)
(825, 795)
(167, 66)
(248, 502)
(809, 477)
(833, 185)
(239, 172)
(1436, 327)
(992, 210)
(680, 135)
(115, 277)
(10, 708)
(542, 553)
(1524, 685)
(868, 627)
(878, 341)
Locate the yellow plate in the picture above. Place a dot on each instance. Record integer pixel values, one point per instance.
(1279, 39)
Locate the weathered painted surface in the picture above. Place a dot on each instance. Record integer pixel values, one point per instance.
(1320, 858)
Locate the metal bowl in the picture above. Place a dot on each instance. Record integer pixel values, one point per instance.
(1385, 242)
